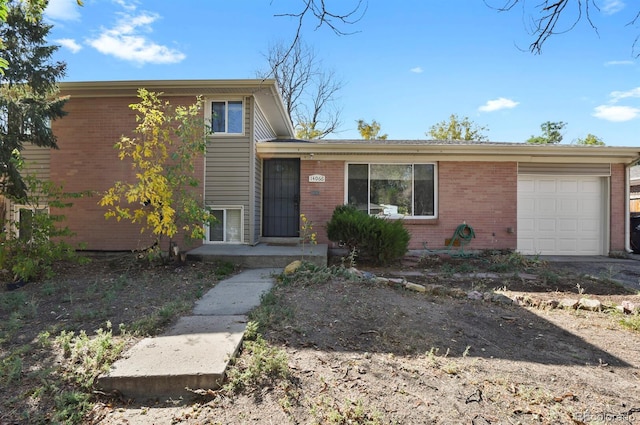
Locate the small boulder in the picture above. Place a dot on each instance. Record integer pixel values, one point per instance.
(415, 287)
(379, 279)
(501, 299)
(475, 295)
(629, 307)
(589, 304)
(569, 303)
(292, 267)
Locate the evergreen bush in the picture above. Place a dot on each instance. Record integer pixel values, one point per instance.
(375, 239)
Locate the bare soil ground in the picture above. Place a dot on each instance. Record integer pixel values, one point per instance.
(361, 352)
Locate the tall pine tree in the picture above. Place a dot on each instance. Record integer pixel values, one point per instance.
(29, 98)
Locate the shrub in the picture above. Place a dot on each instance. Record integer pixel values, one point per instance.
(40, 242)
(375, 239)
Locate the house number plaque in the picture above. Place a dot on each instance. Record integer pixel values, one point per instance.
(316, 178)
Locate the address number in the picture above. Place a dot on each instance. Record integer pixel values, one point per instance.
(316, 178)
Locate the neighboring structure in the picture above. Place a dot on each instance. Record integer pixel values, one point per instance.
(634, 190)
(561, 200)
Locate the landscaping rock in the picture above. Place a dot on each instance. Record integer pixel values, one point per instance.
(355, 272)
(501, 299)
(475, 295)
(397, 280)
(589, 304)
(551, 304)
(368, 275)
(292, 267)
(379, 279)
(629, 307)
(415, 287)
(569, 303)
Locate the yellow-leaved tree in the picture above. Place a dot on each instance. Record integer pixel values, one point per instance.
(162, 198)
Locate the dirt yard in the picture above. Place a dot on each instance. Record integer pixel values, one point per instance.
(374, 352)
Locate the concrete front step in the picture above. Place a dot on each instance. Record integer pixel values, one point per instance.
(193, 354)
(260, 256)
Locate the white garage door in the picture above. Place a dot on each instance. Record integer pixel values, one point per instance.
(560, 215)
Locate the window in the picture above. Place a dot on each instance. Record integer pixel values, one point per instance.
(226, 116)
(228, 227)
(25, 217)
(392, 190)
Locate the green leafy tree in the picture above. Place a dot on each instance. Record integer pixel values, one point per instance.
(591, 140)
(33, 12)
(168, 141)
(551, 133)
(370, 131)
(29, 98)
(457, 129)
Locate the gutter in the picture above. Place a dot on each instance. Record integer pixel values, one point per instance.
(627, 208)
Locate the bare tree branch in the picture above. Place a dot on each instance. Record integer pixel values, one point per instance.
(309, 92)
(334, 20)
(546, 18)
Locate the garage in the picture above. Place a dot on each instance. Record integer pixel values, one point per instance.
(562, 214)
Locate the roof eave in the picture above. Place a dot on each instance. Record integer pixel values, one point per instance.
(489, 152)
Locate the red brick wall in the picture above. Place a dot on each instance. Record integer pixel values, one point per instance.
(618, 202)
(88, 161)
(482, 194)
(318, 200)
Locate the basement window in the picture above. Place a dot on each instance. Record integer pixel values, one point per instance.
(228, 227)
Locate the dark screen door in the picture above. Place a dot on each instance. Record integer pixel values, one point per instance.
(281, 197)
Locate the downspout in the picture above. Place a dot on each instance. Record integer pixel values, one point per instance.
(627, 209)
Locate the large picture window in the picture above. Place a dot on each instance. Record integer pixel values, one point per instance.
(226, 116)
(393, 190)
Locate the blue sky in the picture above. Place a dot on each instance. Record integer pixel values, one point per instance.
(408, 64)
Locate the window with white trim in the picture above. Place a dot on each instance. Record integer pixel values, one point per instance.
(226, 116)
(24, 217)
(228, 226)
(393, 190)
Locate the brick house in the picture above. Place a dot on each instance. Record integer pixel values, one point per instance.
(560, 200)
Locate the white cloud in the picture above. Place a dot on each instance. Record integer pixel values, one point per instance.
(609, 7)
(63, 10)
(615, 63)
(616, 113)
(417, 70)
(126, 41)
(619, 95)
(497, 104)
(70, 44)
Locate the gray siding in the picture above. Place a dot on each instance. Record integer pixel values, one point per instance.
(263, 130)
(257, 200)
(228, 170)
(37, 161)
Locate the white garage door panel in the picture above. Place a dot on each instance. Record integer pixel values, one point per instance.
(560, 215)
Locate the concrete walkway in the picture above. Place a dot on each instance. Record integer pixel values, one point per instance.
(195, 352)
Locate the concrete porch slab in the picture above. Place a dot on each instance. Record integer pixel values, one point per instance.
(261, 255)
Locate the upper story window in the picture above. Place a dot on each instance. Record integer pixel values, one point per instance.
(393, 190)
(227, 116)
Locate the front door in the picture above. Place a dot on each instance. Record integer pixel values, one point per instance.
(281, 197)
